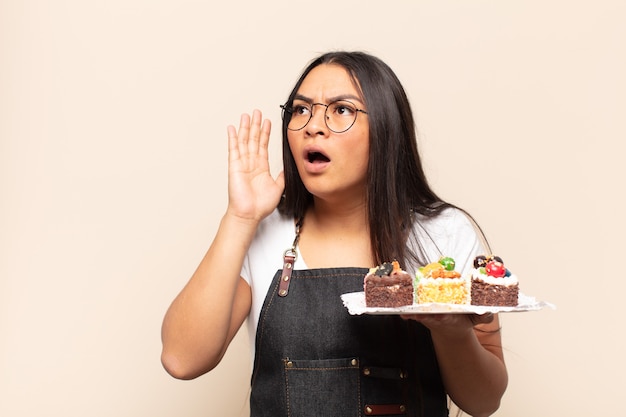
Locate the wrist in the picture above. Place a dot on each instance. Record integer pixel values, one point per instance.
(453, 334)
(238, 227)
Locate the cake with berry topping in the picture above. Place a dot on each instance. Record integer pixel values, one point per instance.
(492, 283)
(388, 286)
(438, 282)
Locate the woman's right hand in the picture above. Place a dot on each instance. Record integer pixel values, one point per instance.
(252, 191)
(203, 319)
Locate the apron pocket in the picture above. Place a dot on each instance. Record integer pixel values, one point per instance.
(326, 387)
(384, 391)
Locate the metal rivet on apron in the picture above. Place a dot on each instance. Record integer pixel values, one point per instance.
(286, 278)
(366, 371)
(289, 364)
(403, 408)
(283, 292)
(403, 375)
(368, 410)
(287, 265)
(354, 362)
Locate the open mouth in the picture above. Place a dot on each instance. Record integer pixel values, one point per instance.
(314, 157)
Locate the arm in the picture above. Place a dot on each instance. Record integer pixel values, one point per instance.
(205, 316)
(470, 359)
(469, 347)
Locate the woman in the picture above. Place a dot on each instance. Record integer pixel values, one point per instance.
(353, 195)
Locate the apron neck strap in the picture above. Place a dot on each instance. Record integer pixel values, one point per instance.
(289, 259)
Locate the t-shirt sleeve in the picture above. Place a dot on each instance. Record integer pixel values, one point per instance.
(245, 269)
(465, 243)
(264, 254)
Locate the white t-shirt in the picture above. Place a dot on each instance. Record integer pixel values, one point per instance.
(451, 234)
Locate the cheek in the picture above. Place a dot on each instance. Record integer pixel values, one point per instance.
(362, 147)
(359, 156)
(365, 161)
(290, 140)
(293, 145)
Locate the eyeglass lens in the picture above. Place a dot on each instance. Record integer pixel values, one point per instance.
(339, 115)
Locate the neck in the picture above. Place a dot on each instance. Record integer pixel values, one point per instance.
(328, 215)
(334, 235)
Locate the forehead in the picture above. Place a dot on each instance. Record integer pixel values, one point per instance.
(328, 82)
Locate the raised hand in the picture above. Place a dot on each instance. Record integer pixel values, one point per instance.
(252, 191)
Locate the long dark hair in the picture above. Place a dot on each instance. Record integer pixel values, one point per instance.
(397, 187)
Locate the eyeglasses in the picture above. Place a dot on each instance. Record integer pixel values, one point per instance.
(339, 115)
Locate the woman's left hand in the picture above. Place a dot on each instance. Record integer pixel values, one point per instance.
(450, 323)
(469, 353)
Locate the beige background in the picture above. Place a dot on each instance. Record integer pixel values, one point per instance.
(113, 170)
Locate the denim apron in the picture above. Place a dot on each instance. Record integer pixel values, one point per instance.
(314, 359)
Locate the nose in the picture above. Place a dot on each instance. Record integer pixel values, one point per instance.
(317, 123)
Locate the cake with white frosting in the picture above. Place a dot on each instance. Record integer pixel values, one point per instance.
(438, 282)
(492, 284)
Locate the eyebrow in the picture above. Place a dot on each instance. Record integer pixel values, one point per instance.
(330, 99)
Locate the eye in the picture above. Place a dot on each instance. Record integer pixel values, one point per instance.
(299, 109)
(342, 108)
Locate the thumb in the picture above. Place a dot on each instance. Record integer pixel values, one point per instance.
(481, 318)
(280, 180)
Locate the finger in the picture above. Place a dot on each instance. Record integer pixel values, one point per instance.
(255, 132)
(264, 138)
(481, 318)
(243, 134)
(422, 317)
(280, 180)
(233, 148)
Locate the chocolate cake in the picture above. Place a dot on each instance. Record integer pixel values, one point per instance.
(492, 283)
(388, 286)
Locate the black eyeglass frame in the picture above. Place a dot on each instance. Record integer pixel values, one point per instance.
(289, 109)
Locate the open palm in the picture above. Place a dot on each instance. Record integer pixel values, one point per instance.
(252, 191)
